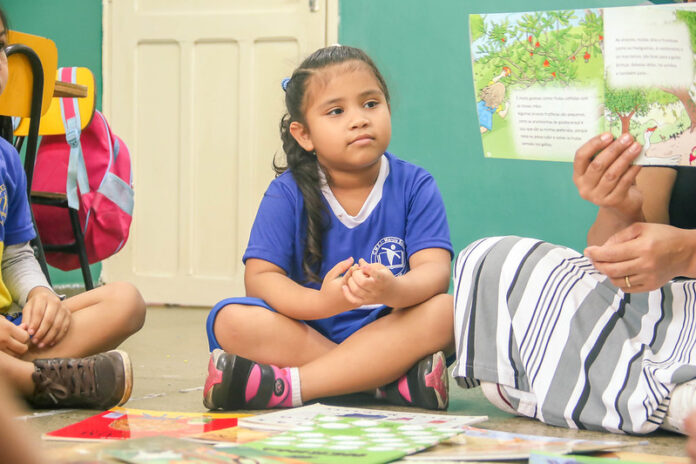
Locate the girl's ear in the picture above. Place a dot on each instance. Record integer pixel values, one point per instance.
(300, 133)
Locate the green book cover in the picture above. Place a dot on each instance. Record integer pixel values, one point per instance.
(341, 440)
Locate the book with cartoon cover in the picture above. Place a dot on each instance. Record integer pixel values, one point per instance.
(123, 423)
(547, 81)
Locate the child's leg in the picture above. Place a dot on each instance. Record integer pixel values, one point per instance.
(375, 355)
(102, 318)
(17, 373)
(381, 351)
(268, 337)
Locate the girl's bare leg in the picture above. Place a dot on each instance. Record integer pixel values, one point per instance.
(382, 351)
(267, 337)
(102, 318)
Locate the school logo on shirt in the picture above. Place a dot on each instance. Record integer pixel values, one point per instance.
(391, 252)
(3, 204)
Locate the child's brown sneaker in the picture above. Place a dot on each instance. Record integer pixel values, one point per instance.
(95, 382)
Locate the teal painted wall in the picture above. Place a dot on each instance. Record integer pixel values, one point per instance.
(76, 28)
(422, 48)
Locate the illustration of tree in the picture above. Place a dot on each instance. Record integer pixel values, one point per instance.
(540, 48)
(625, 104)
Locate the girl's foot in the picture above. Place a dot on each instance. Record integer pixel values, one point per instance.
(424, 385)
(237, 383)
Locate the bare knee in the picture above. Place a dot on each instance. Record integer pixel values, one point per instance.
(234, 324)
(128, 302)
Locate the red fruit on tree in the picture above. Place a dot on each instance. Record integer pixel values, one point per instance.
(572, 58)
(530, 39)
(553, 74)
(587, 57)
(536, 44)
(531, 53)
(601, 37)
(503, 39)
(546, 63)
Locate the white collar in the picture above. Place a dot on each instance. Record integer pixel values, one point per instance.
(370, 203)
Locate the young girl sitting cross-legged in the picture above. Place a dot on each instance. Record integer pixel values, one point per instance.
(348, 260)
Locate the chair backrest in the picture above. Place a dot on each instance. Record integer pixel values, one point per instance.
(17, 101)
(52, 121)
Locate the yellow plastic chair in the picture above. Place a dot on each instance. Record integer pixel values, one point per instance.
(32, 63)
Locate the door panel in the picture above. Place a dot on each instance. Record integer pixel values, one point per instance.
(195, 93)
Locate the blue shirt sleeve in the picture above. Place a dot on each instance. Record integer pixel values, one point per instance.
(426, 224)
(18, 225)
(274, 228)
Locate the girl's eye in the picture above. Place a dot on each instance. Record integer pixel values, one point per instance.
(335, 111)
(371, 104)
(3, 45)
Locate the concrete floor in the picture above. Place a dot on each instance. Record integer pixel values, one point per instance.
(170, 357)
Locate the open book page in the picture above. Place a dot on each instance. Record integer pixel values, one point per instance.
(476, 444)
(286, 419)
(547, 81)
(649, 64)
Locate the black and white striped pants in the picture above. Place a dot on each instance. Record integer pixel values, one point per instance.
(570, 349)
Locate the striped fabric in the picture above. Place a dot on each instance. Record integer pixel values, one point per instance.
(568, 347)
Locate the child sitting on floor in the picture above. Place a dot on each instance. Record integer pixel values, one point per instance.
(348, 260)
(38, 343)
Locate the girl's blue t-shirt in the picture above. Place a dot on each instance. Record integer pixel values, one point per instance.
(15, 218)
(403, 214)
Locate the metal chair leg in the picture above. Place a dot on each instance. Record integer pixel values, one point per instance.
(81, 251)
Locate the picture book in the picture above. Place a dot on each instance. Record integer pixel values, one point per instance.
(285, 419)
(474, 444)
(236, 434)
(123, 423)
(169, 450)
(613, 458)
(547, 81)
(353, 440)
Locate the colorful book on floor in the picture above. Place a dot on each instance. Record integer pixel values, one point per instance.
(124, 423)
(286, 419)
(475, 444)
(612, 458)
(644, 457)
(353, 440)
(238, 435)
(547, 81)
(168, 450)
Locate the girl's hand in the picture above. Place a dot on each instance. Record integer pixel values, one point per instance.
(14, 340)
(604, 174)
(331, 293)
(648, 254)
(371, 283)
(46, 318)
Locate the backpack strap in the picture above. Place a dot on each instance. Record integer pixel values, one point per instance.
(77, 170)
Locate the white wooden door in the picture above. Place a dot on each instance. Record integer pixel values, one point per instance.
(194, 89)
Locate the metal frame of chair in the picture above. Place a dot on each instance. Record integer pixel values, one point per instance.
(33, 135)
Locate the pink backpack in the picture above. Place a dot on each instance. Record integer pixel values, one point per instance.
(93, 168)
